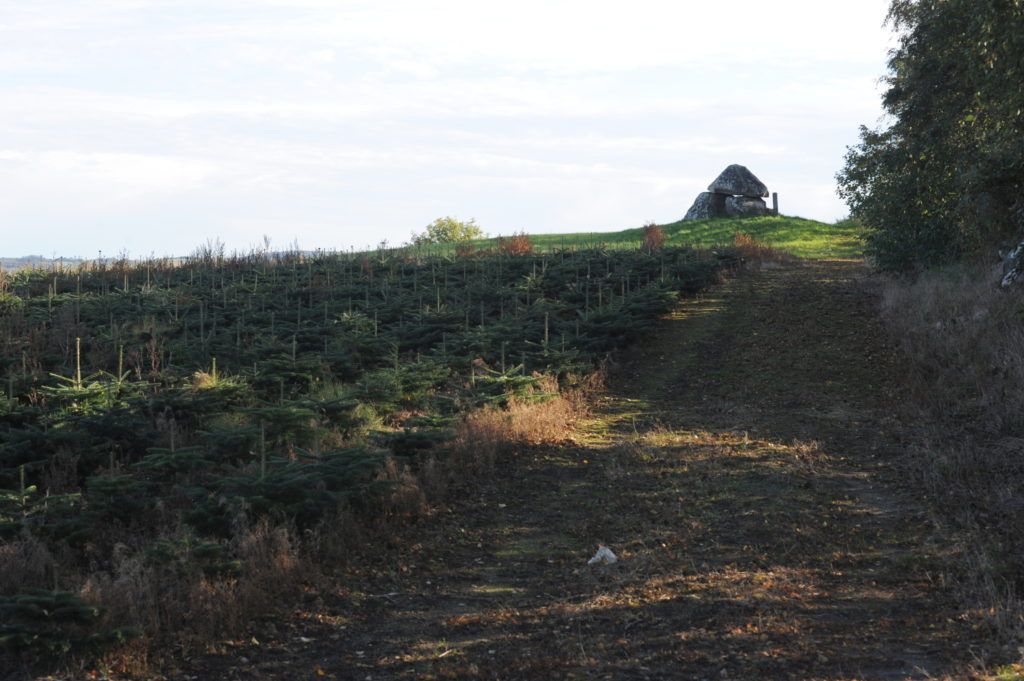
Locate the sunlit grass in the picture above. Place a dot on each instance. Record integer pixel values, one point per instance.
(798, 236)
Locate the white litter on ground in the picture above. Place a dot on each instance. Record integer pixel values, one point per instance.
(603, 555)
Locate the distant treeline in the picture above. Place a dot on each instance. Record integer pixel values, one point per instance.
(37, 262)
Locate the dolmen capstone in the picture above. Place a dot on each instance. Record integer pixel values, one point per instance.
(736, 192)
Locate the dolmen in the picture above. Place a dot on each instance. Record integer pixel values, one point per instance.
(736, 192)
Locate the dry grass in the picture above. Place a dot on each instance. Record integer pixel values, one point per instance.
(182, 609)
(487, 433)
(406, 496)
(966, 340)
(465, 249)
(25, 562)
(808, 456)
(963, 343)
(752, 251)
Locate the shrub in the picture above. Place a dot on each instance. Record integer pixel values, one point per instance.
(42, 623)
(448, 230)
(654, 237)
(517, 244)
(10, 303)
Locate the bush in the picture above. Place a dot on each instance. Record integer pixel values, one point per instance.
(44, 624)
(448, 230)
(517, 244)
(654, 237)
(10, 303)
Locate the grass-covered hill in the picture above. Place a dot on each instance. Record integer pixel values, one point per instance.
(799, 236)
(159, 419)
(162, 412)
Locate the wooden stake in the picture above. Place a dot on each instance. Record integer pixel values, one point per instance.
(78, 363)
(263, 450)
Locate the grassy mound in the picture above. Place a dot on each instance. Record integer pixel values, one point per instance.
(799, 236)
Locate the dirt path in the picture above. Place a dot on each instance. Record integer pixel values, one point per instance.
(739, 467)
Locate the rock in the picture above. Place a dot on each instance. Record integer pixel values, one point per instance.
(1013, 264)
(736, 192)
(745, 207)
(738, 181)
(603, 555)
(707, 205)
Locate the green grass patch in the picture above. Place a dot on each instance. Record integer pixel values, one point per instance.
(799, 236)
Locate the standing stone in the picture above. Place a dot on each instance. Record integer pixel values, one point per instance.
(707, 205)
(738, 181)
(745, 207)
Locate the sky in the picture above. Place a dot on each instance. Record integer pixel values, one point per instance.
(151, 127)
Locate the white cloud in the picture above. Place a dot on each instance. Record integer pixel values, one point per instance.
(572, 35)
(98, 177)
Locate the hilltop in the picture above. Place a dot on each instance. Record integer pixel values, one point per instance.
(800, 236)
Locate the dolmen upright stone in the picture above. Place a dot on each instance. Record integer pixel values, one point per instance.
(736, 192)
(707, 205)
(745, 206)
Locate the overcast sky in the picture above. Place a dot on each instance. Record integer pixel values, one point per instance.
(152, 126)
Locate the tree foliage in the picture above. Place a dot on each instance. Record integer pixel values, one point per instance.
(448, 230)
(944, 179)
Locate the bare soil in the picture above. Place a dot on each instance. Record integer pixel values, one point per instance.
(742, 465)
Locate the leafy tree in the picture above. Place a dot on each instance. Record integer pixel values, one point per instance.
(448, 230)
(944, 179)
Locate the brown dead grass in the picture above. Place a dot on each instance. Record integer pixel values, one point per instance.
(754, 252)
(183, 610)
(487, 433)
(25, 562)
(406, 496)
(966, 342)
(963, 343)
